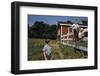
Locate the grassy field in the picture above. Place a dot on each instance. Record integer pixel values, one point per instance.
(59, 51)
(80, 43)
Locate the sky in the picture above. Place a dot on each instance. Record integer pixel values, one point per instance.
(49, 19)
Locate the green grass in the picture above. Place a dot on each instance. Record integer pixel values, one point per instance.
(69, 52)
(80, 43)
(59, 51)
(35, 49)
(83, 43)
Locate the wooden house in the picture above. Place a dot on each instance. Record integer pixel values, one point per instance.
(64, 31)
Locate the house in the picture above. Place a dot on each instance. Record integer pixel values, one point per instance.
(64, 31)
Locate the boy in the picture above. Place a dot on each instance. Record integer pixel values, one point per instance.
(47, 51)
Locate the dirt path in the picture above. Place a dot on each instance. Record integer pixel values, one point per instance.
(58, 54)
(56, 49)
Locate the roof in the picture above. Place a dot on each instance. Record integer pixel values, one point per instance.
(65, 24)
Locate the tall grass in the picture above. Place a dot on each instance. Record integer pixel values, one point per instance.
(35, 49)
(69, 52)
(59, 51)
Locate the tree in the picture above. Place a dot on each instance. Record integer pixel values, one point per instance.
(29, 30)
(84, 22)
(69, 22)
(42, 30)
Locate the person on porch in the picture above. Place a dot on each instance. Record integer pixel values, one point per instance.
(75, 29)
